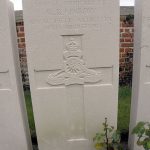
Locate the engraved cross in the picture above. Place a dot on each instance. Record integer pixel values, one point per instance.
(74, 75)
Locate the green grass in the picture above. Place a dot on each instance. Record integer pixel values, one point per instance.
(124, 108)
(30, 111)
(123, 112)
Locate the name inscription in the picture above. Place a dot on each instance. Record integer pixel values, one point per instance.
(72, 14)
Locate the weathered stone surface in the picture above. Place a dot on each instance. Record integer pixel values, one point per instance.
(141, 75)
(73, 72)
(14, 132)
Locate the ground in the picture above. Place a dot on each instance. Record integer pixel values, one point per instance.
(29, 111)
(124, 104)
(123, 110)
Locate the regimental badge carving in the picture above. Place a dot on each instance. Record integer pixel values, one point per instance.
(74, 69)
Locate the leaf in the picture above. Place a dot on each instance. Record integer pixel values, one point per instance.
(110, 130)
(148, 144)
(102, 134)
(139, 129)
(98, 137)
(141, 132)
(140, 143)
(147, 132)
(120, 147)
(98, 146)
(116, 137)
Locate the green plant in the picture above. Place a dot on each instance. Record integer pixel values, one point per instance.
(108, 139)
(142, 130)
(124, 108)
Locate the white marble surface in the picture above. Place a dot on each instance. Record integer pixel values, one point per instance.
(73, 72)
(14, 131)
(141, 75)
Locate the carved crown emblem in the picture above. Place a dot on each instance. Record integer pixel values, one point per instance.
(74, 70)
(72, 45)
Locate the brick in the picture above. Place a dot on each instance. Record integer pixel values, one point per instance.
(126, 44)
(124, 24)
(128, 40)
(121, 39)
(20, 34)
(19, 23)
(21, 45)
(132, 34)
(126, 34)
(122, 60)
(121, 50)
(123, 55)
(22, 40)
(22, 29)
(128, 50)
(121, 30)
(127, 30)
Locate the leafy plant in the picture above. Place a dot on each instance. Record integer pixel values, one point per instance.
(129, 19)
(142, 130)
(109, 139)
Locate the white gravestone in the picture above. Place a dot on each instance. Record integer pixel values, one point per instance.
(14, 131)
(140, 108)
(73, 55)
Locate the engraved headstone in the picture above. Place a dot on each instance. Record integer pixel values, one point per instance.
(140, 108)
(73, 72)
(14, 131)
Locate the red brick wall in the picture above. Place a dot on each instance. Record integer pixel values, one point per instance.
(22, 52)
(20, 34)
(126, 51)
